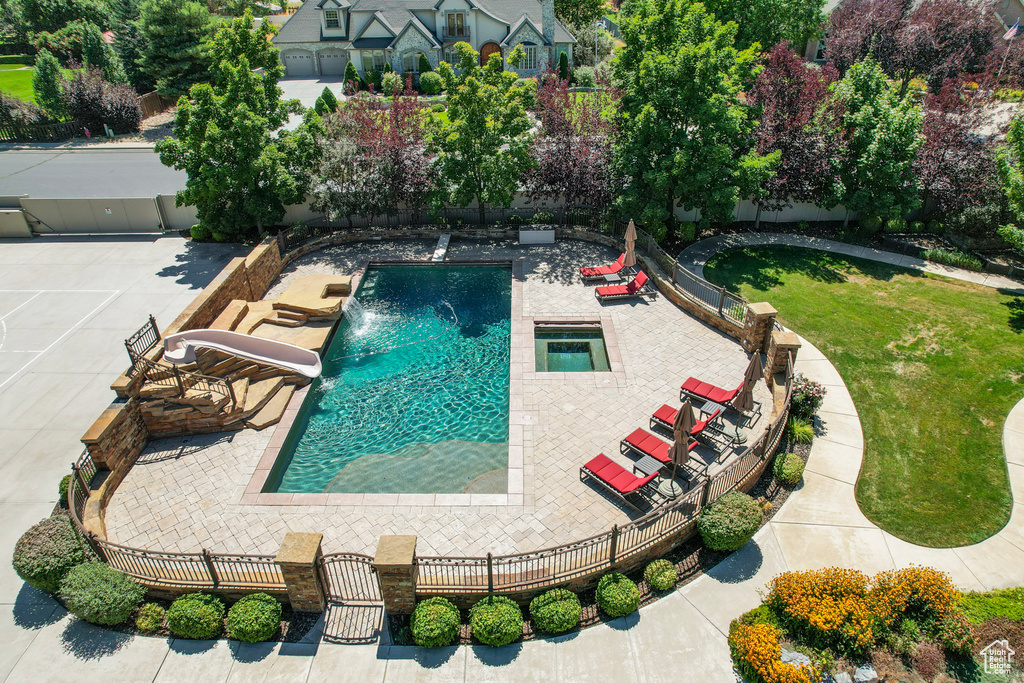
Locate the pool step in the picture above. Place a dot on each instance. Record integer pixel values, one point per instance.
(442, 247)
(287, 318)
(260, 393)
(271, 413)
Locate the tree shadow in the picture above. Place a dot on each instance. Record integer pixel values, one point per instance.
(426, 657)
(87, 642)
(250, 653)
(184, 646)
(1015, 306)
(624, 623)
(766, 264)
(740, 566)
(33, 609)
(199, 262)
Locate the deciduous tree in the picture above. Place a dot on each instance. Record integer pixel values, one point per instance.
(175, 55)
(682, 133)
(768, 22)
(82, 42)
(483, 147)
(49, 16)
(798, 118)
(242, 168)
(579, 12)
(883, 134)
(956, 165)
(374, 159)
(573, 150)
(48, 86)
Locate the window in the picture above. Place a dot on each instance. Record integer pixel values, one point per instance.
(331, 18)
(529, 60)
(411, 62)
(373, 60)
(450, 56)
(819, 54)
(457, 25)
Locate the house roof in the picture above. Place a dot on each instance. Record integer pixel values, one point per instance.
(518, 25)
(396, 15)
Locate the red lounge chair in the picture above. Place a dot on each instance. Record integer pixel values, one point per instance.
(615, 478)
(643, 443)
(601, 271)
(707, 392)
(634, 288)
(665, 416)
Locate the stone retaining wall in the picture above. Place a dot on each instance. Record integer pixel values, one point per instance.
(114, 441)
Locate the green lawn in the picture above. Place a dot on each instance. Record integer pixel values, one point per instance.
(17, 83)
(934, 366)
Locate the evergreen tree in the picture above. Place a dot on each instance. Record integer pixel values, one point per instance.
(883, 134)
(563, 66)
(50, 16)
(682, 133)
(329, 99)
(352, 80)
(174, 52)
(425, 64)
(128, 41)
(47, 85)
(581, 13)
(242, 168)
(483, 149)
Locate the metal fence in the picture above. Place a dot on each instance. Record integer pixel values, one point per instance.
(145, 338)
(350, 578)
(181, 382)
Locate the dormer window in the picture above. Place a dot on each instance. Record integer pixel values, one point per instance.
(331, 18)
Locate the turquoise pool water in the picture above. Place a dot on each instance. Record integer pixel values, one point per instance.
(570, 350)
(414, 395)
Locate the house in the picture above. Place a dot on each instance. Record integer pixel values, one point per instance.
(324, 35)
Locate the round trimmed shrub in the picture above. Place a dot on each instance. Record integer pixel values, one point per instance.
(555, 611)
(496, 620)
(869, 225)
(100, 594)
(47, 551)
(789, 468)
(895, 225)
(617, 595)
(150, 617)
(199, 616)
(434, 622)
(62, 489)
(584, 76)
(660, 575)
(431, 83)
(200, 233)
(729, 522)
(543, 217)
(254, 618)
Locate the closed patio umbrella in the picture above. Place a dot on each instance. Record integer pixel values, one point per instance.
(630, 238)
(679, 452)
(744, 400)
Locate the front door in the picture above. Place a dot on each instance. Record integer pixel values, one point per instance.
(487, 50)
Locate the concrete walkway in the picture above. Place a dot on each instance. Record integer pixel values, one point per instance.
(679, 638)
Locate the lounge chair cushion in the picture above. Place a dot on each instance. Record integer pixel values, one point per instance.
(604, 270)
(649, 444)
(709, 392)
(634, 287)
(616, 476)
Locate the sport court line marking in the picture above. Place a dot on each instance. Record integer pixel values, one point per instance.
(71, 330)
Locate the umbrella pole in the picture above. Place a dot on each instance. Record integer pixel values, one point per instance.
(669, 489)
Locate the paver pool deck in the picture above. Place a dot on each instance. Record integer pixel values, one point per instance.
(187, 494)
(679, 638)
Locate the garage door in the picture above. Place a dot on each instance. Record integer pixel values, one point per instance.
(298, 64)
(332, 63)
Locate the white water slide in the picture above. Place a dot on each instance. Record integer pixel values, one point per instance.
(181, 348)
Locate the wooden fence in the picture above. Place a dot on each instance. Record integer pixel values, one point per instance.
(153, 103)
(50, 132)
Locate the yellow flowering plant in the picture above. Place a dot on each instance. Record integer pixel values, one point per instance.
(755, 649)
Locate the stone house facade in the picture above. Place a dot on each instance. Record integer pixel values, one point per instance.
(323, 36)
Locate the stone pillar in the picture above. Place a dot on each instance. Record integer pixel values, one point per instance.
(298, 558)
(395, 563)
(757, 326)
(782, 343)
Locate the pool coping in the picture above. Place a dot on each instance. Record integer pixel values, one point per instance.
(520, 348)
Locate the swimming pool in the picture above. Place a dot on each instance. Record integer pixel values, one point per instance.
(414, 395)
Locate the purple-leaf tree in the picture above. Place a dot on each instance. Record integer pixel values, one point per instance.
(573, 151)
(799, 118)
(956, 165)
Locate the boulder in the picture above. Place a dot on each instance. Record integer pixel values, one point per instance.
(842, 677)
(795, 658)
(865, 673)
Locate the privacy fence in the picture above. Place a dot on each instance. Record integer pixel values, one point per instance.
(351, 577)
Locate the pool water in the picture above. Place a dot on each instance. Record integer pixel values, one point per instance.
(414, 395)
(570, 350)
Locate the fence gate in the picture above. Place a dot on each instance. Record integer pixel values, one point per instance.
(350, 578)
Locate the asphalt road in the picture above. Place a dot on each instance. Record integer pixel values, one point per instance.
(64, 173)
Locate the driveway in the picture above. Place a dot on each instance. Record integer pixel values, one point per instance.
(306, 90)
